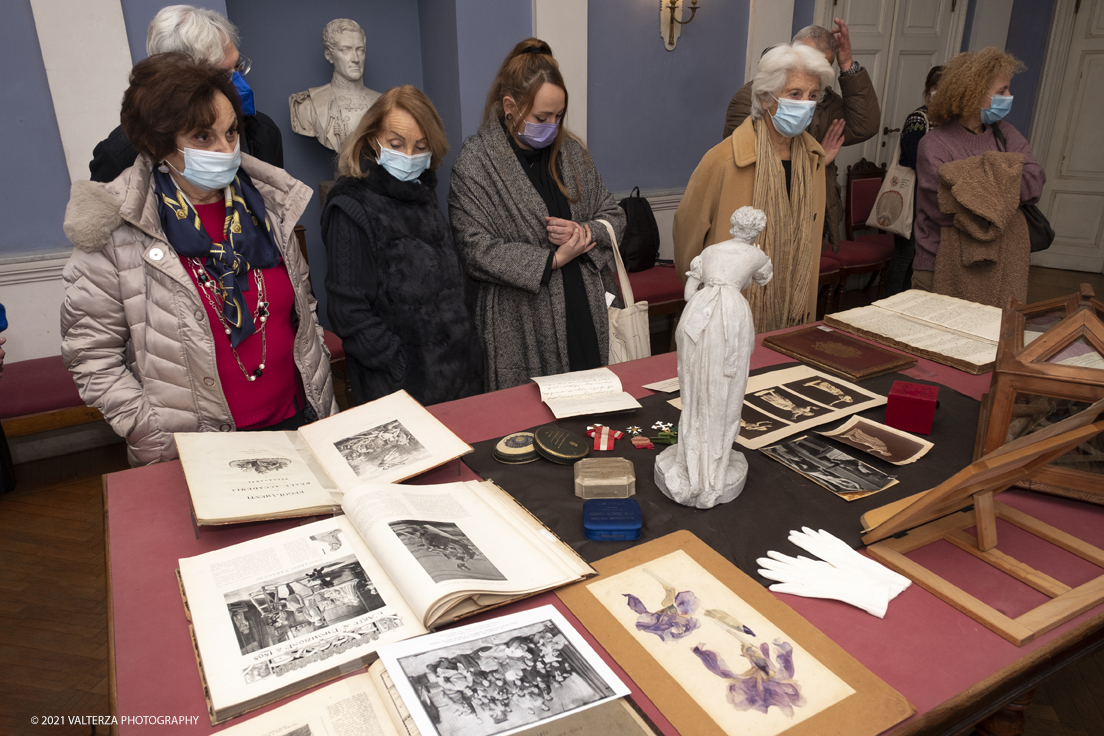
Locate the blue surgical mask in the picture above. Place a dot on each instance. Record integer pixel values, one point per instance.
(245, 93)
(1000, 106)
(539, 135)
(402, 166)
(793, 116)
(210, 170)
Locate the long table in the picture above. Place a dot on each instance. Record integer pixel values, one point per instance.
(953, 670)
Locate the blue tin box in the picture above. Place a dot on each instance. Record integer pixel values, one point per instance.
(611, 519)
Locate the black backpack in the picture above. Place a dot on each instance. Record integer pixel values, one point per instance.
(640, 244)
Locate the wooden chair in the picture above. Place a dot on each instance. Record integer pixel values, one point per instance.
(870, 250)
(828, 285)
(661, 287)
(39, 395)
(338, 365)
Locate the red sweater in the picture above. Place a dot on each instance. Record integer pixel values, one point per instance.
(269, 399)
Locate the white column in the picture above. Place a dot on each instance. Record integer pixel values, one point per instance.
(84, 47)
(769, 22)
(563, 24)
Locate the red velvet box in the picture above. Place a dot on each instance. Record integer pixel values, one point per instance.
(911, 407)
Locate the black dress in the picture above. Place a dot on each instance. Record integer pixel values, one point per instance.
(582, 339)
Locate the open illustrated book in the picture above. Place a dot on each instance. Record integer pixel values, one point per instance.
(283, 612)
(950, 331)
(253, 476)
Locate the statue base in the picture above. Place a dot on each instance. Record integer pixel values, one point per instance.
(674, 481)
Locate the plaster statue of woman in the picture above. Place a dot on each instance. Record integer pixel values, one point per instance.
(715, 338)
(331, 112)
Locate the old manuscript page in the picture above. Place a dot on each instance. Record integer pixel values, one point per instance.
(584, 392)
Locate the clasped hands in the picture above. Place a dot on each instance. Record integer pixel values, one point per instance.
(570, 238)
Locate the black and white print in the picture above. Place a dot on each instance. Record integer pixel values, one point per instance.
(754, 423)
(834, 469)
(880, 441)
(375, 451)
(298, 604)
(261, 465)
(444, 551)
(779, 402)
(503, 681)
(825, 391)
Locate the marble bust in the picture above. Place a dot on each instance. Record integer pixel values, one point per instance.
(715, 337)
(331, 112)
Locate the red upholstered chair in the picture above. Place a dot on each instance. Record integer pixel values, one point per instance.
(338, 365)
(39, 395)
(661, 287)
(827, 285)
(865, 249)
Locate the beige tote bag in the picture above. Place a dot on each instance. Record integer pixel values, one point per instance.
(629, 333)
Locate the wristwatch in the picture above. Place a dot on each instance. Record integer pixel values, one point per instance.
(855, 68)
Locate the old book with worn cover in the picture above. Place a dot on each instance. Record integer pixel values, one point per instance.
(718, 654)
(838, 353)
(950, 331)
(253, 476)
(280, 613)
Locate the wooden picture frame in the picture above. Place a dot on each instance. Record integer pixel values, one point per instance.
(910, 523)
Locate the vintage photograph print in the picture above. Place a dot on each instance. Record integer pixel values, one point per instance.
(297, 604)
(786, 405)
(444, 551)
(261, 465)
(375, 451)
(503, 681)
(754, 423)
(825, 391)
(880, 441)
(847, 477)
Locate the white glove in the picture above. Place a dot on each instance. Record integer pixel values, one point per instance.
(816, 579)
(839, 554)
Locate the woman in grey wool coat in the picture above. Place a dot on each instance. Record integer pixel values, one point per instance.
(524, 204)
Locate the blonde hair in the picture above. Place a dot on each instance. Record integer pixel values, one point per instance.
(528, 67)
(407, 98)
(966, 80)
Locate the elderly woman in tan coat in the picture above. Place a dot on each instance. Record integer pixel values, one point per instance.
(772, 164)
(186, 303)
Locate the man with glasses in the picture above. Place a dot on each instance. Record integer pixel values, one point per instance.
(205, 36)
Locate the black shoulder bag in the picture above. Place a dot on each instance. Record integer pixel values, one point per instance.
(1038, 227)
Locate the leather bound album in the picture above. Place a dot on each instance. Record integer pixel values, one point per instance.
(838, 353)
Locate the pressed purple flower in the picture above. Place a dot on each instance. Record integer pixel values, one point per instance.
(672, 621)
(764, 684)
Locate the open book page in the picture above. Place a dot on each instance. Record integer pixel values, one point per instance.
(503, 676)
(971, 318)
(250, 475)
(584, 392)
(351, 707)
(668, 387)
(276, 611)
(922, 335)
(384, 441)
(444, 544)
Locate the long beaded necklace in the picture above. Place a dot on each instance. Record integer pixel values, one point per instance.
(209, 289)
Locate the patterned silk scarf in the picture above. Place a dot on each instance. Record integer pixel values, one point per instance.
(246, 243)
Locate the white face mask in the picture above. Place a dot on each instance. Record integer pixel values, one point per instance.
(210, 170)
(402, 166)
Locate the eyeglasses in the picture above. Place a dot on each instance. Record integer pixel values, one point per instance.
(244, 65)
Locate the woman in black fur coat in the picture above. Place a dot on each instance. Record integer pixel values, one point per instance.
(395, 288)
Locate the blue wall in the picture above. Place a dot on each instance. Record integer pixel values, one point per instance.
(36, 187)
(802, 15)
(284, 40)
(968, 28)
(486, 30)
(137, 15)
(653, 113)
(1027, 39)
(441, 79)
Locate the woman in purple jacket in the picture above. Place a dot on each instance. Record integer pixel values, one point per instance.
(973, 97)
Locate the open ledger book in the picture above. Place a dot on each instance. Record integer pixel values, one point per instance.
(283, 612)
(950, 331)
(252, 476)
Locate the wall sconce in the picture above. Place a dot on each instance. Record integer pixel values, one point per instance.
(670, 20)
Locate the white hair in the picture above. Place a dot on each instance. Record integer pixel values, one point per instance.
(775, 69)
(335, 28)
(823, 39)
(201, 33)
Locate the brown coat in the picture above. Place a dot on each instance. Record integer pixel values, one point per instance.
(723, 182)
(862, 115)
(985, 256)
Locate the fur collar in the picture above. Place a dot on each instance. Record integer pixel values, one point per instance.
(377, 180)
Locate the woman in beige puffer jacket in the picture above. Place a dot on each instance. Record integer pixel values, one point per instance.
(135, 331)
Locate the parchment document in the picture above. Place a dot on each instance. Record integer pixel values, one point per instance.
(584, 392)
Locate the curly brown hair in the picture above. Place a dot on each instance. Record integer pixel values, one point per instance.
(966, 80)
(170, 94)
